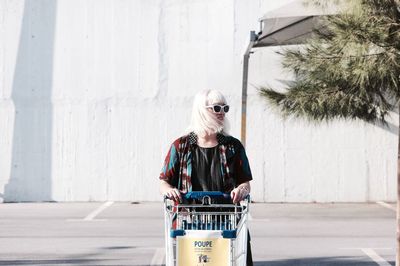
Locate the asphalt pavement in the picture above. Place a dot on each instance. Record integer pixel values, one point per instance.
(124, 233)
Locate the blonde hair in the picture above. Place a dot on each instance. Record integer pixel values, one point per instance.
(204, 122)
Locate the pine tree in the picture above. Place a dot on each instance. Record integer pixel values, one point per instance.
(349, 69)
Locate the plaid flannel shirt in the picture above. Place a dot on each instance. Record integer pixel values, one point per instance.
(177, 168)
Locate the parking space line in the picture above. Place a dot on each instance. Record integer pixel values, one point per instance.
(386, 205)
(158, 257)
(96, 212)
(375, 257)
(249, 217)
(362, 248)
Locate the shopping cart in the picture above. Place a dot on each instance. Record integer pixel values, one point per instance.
(206, 232)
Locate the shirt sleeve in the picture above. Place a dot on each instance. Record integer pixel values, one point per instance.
(170, 169)
(243, 172)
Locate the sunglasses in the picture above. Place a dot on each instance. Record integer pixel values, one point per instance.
(219, 108)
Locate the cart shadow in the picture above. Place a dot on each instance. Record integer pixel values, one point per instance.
(321, 261)
(51, 262)
(77, 259)
(65, 262)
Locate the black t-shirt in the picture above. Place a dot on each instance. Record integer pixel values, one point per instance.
(178, 165)
(206, 169)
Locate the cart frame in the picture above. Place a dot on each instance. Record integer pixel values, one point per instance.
(207, 216)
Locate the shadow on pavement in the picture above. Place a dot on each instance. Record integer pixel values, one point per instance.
(52, 262)
(91, 262)
(321, 261)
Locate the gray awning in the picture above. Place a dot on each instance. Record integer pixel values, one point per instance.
(290, 24)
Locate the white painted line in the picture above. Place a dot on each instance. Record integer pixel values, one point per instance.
(259, 220)
(252, 219)
(158, 257)
(363, 248)
(375, 257)
(96, 212)
(81, 220)
(386, 205)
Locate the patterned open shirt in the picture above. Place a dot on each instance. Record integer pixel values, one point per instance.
(177, 167)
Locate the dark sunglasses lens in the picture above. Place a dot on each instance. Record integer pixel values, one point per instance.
(217, 108)
(226, 108)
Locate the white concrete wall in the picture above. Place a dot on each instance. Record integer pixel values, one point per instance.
(93, 92)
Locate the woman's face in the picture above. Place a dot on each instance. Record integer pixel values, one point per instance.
(214, 108)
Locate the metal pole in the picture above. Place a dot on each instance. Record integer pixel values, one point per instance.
(246, 57)
(398, 201)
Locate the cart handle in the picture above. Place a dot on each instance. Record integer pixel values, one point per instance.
(202, 194)
(207, 194)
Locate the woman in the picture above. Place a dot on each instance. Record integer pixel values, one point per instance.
(207, 158)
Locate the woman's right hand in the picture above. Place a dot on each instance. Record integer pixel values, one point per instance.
(173, 194)
(170, 192)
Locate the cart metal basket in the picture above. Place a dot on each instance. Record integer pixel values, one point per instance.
(202, 231)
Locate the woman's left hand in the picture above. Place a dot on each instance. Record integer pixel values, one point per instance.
(239, 194)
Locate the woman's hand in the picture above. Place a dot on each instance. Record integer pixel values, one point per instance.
(173, 194)
(240, 192)
(169, 191)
